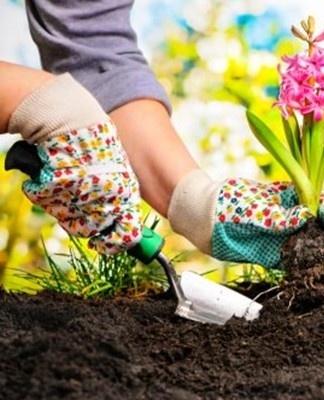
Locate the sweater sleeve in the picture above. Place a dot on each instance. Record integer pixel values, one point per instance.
(95, 42)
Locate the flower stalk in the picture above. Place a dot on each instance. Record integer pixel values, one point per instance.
(301, 102)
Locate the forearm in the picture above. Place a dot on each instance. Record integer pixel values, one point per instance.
(157, 154)
(109, 63)
(16, 83)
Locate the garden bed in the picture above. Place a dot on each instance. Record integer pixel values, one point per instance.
(56, 346)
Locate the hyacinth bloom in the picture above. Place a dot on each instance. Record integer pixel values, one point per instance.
(302, 85)
(301, 102)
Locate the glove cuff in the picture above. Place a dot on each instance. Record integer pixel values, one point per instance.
(58, 106)
(192, 209)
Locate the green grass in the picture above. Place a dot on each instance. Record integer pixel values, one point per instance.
(97, 275)
(252, 273)
(88, 274)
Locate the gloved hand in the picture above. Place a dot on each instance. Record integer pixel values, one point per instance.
(237, 220)
(85, 181)
(253, 219)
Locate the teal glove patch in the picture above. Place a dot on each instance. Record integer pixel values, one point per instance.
(46, 174)
(252, 220)
(245, 243)
(288, 196)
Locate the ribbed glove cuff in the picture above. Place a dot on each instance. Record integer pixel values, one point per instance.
(192, 209)
(59, 106)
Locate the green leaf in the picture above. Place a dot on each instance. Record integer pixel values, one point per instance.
(320, 177)
(306, 148)
(270, 141)
(316, 154)
(293, 136)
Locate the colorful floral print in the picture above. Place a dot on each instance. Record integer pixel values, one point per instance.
(253, 219)
(88, 185)
(270, 206)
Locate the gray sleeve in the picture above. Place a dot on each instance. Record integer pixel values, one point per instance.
(94, 41)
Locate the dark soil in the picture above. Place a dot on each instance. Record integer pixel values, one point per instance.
(55, 346)
(303, 257)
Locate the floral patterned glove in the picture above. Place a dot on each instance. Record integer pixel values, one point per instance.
(236, 220)
(85, 181)
(253, 219)
(88, 186)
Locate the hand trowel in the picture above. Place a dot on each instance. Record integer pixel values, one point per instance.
(199, 299)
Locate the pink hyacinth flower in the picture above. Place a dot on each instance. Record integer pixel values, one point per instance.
(302, 84)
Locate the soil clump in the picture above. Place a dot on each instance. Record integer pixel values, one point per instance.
(303, 260)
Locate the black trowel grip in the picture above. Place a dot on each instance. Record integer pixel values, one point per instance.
(24, 156)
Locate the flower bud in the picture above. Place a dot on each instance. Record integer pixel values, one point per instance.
(311, 25)
(304, 25)
(296, 32)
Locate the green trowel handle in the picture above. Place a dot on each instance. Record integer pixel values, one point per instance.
(149, 247)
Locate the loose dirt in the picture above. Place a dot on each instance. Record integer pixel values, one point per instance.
(54, 346)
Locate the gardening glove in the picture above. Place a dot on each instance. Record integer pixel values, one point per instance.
(236, 220)
(85, 179)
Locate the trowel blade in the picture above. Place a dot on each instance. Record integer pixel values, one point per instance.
(212, 302)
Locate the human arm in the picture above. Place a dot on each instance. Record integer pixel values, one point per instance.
(142, 114)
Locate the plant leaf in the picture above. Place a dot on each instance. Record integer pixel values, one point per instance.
(320, 177)
(270, 141)
(316, 154)
(293, 136)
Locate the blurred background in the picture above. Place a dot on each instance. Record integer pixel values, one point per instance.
(214, 57)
